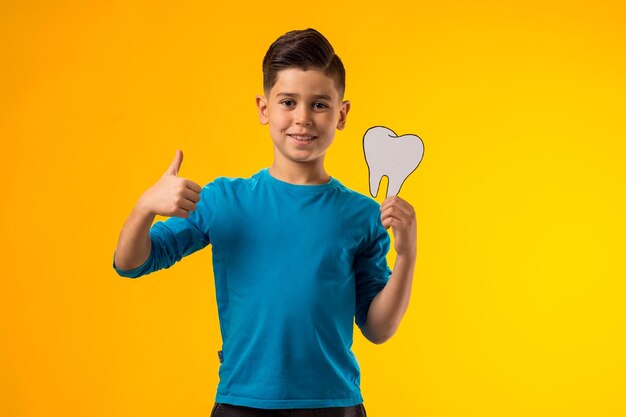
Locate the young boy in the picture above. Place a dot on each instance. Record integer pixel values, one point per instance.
(297, 256)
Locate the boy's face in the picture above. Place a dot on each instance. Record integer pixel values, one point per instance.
(302, 103)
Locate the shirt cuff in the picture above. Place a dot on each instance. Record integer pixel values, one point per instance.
(131, 273)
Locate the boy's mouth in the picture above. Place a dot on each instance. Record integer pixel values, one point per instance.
(302, 138)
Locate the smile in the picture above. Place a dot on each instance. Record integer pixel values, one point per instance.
(303, 138)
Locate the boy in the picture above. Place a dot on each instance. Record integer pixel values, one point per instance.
(297, 256)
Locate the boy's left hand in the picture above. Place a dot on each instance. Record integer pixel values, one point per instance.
(400, 216)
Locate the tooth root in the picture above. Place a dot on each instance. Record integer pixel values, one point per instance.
(395, 182)
(375, 177)
(388, 155)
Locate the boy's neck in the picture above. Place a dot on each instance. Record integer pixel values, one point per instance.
(300, 174)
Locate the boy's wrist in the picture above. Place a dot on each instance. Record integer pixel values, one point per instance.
(404, 257)
(142, 209)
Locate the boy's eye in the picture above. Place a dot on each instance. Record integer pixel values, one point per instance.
(318, 105)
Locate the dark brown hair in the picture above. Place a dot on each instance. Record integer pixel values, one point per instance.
(304, 49)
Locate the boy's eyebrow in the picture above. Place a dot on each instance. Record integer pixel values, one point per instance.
(319, 96)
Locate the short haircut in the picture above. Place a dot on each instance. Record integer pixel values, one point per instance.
(304, 49)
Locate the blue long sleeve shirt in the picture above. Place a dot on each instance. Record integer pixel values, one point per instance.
(295, 266)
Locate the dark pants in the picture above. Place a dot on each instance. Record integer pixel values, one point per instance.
(228, 410)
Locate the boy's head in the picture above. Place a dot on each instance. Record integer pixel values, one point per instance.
(303, 49)
(304, 84)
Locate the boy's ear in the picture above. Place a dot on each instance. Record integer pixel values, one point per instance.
(262, 107)
(343, 114)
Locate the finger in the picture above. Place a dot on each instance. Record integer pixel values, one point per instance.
(391, 221)
(181, 213)
(396, 200)
(175, 165)
(193, 186)
(187, 205)
(386, 216)
(388, 201)
(191, 195)
(408, 208)
(397, 211)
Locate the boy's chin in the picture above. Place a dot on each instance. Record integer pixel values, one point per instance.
(303, 159)
(307, 159)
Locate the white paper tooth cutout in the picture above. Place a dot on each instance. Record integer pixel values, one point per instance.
(389, 154)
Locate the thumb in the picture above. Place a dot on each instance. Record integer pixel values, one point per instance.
(175, 165)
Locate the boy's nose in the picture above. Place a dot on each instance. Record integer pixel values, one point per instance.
(303, 117)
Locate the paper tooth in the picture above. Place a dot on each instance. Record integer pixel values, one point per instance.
(393, 156)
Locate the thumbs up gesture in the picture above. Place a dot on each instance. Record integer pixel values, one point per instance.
(172, 195)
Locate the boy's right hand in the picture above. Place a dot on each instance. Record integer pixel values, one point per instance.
(172, 195)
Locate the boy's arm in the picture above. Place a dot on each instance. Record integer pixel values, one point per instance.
(142, 247)
(389, 305)
(134, 244)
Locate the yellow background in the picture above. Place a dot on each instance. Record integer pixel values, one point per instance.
(517, 305)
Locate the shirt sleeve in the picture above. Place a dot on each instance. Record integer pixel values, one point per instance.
(176, 237)
(371, 270)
